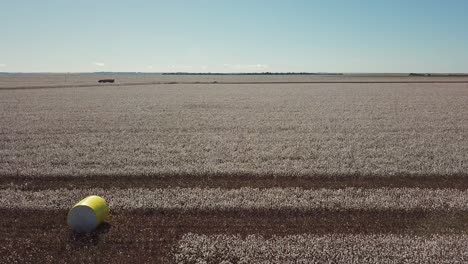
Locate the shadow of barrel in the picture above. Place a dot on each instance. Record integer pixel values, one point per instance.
(89, 239)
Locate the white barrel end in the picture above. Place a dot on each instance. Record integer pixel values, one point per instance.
(82, 219)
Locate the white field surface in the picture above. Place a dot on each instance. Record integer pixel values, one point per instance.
(244, 199)
(201, 132)
(257, 129)
(336, 248)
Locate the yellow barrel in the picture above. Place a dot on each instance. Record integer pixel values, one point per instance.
(88, 214)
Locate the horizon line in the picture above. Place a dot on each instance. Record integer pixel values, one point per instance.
(242, 73)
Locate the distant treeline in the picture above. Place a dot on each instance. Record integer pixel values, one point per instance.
(438, 74)
(249, 73)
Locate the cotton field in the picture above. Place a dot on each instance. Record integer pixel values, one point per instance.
(236, 169)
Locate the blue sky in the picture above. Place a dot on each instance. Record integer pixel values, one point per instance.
(234, 36)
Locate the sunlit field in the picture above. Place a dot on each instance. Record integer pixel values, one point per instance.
(242, 169)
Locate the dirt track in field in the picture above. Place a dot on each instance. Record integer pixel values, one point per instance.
(233, 181)
(149, 236)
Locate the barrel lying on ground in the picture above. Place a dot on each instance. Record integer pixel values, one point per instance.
(88, 214)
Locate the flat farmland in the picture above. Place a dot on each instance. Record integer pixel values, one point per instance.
(60, 80)
(238, 171)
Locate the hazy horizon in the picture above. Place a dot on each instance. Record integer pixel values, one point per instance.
(247, 73)
(232, 37)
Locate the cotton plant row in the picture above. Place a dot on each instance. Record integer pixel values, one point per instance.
(294, 129)
(245, 198)
(157, 153)
(335, 248)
